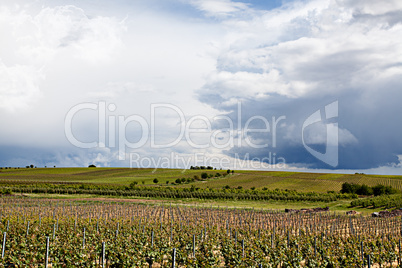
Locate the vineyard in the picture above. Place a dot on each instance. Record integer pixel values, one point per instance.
(248, 179)
(39, 232)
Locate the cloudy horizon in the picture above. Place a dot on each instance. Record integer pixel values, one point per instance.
(231, 81)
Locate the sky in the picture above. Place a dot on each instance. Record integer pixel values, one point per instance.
(293, 85)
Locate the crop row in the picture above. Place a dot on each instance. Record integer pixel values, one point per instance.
(168, 192)
(136, 235)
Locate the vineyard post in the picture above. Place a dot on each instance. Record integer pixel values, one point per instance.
(54, 230)
(103, 254)
(27, 233)
(47, 252)
(83, 240)
(399, 252)
(4, 245)
(194, 246)
(315, 246)
(361, 250)
(368, 261)
(174, 258)
(152, 239)
(8, 225)
(242, 246)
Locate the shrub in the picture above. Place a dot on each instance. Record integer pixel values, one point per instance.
(133, 184)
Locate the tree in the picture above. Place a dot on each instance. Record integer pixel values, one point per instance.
(133, 184)
(91, 166)
(364, 190)
(228, 171)
(204, 175)
(378, 189)
(348, 188)
(32, 166)
(156, 180)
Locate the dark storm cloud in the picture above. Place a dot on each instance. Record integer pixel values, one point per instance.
(348, 52)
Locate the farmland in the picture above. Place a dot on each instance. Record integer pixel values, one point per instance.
(120, 217)
(114, 234)
(260, 189)
(304, 182)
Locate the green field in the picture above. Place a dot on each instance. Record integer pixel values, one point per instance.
(302, 182)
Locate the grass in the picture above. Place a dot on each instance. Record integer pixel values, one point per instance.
(304, 182)
(340, 206)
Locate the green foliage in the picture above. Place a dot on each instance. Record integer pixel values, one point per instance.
(133, 184)
(223, 237)
(380, 201)
(155, 181)
(383, 190)
(363, 189)
(5, 191)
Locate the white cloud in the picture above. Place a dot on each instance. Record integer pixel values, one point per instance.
(19, 86)
(317, 134)
(306, 48)
(32, 41)
(220, 8)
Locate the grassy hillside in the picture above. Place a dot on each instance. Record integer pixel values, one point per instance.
(303, 182)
